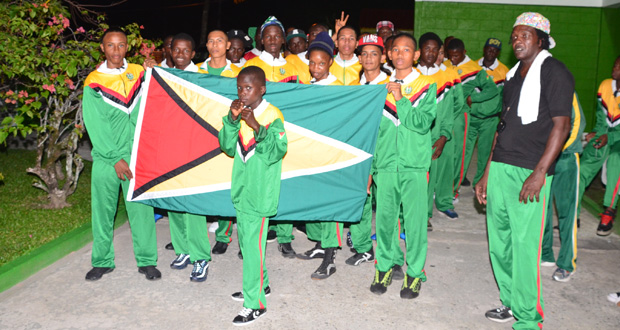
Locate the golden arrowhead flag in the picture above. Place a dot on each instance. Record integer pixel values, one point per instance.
(178, 165)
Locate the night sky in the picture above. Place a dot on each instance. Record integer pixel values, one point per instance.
(161, 18)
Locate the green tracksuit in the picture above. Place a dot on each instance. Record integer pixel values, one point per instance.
(401, 163)
(110, 103)
(592, 159)
(565, 193)
(483, 121)
(484, 97)
(455, 145)
(190, 235)
(255, 189)
(439, 184)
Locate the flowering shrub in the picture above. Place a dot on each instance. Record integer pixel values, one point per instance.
(44, 61)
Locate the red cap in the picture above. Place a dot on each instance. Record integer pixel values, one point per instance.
(370, 39)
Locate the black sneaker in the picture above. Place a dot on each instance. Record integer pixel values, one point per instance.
(397, 272)
(151, 272)
(358, 258)
(180, 262)
(248, 315)
(429, 226)
(240, 255)
(607, 222)
(327, 267)
(411, 287)
(465, 183)
(287, 250)
(97, 272)
(317, 252)
(381, 282)
(349, 240)
(502, 314)
(199, 273)
(219, 248)
(271, 235)
(169, 246)
(238, 296)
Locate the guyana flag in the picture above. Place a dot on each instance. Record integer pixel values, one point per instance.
(178, 165)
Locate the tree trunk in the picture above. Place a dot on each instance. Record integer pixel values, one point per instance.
(204, 22)
(58, 142)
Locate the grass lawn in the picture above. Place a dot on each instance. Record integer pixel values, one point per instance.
(24, 225)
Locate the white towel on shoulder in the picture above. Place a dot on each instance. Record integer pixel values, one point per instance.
(529, 100)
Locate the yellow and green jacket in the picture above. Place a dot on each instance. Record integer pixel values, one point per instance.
(608, 111)
(257, 166)
(301, 63)
(404, 140)
(348, 72)
(229, 71)
(442, 126)
(110, 108)
(276, 69)
(497, 71)
(457, 90)
(477, 84)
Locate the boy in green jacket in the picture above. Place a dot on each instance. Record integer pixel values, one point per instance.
(401, 163)
(253, 133)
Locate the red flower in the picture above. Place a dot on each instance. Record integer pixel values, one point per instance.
(50, 88)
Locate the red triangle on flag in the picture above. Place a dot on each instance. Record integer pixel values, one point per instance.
(166, 120)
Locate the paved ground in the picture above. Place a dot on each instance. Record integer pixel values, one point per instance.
(459, 290)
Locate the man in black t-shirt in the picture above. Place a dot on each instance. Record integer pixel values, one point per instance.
(534, 126)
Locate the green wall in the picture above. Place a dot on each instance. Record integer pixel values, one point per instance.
(588, 39)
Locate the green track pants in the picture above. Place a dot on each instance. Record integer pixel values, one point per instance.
(515, 235)
(440, 183)
(252, 233)
(392, 190)
(592, 161)
(104, 200)
(482, 131)
(329, 233)
(565, 193)
(190, 235)
(224, 231)
(361, 231)
(461, 126)
(284, 231)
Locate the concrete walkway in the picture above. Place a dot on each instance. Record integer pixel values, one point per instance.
(459, 290)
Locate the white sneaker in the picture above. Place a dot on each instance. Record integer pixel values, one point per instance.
(214, 226)
(547, 264)
(614, 297)
(562, 275)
